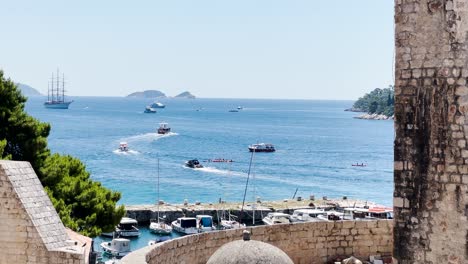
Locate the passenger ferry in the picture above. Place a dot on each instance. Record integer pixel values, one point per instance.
(164, 128)
(262, 147)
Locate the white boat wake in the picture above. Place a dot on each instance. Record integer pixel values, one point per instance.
(129, 152)
(220, 172)
(149, 137)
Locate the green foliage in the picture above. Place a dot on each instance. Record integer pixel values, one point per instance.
(379, 101)
(83, 204)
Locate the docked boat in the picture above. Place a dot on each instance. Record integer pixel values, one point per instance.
(372, 213)
(276, 218)
(230, 224)
(262, 147)
(185, 225)
(307, 215)
(157, 105)
(118, 247)
(127, 228)
(164, 128)
(56, 95)
(150, 110)
(205, 223)
(194, 164)
(123, 146)
(159, 226)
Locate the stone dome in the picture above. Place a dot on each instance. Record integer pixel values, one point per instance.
(249, 252)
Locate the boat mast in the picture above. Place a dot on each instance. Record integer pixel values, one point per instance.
(58, 83)
(52, 87)
(158, 191)
(48, 91)
(254, 194)
(246, 184)
(63, 87)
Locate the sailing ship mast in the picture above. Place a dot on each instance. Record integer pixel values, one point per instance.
(158, 191)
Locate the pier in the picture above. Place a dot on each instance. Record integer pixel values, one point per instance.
(144, 213)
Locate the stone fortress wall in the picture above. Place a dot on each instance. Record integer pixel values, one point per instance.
(30, 229)
(431, 125)
(312, 242)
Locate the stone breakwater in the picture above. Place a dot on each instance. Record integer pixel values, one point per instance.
(374, 117)
(144, 213)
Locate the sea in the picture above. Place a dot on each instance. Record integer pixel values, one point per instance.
(316, 142)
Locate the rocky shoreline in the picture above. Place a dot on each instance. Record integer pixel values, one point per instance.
(374, 117)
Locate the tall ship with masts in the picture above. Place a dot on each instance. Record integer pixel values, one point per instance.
(56, 94)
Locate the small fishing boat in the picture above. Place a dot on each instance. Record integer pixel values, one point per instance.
(158, 105)
(276, 218)
(185, 225)
(194, 164)
(159, 226)
(127, 228)
(233, 110)
(123, 146)
(205, 223)
(118, 247)
(262, 147)
(164, 128)
(149, 110)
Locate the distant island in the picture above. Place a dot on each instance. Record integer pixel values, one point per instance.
(148, 94)
(378, 104)
(185, 95)
(28, 90)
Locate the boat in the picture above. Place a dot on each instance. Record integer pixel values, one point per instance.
(159, 240)
(118, 247)
(159, 227)
(205, 223)
(127, 228)
(240, 108)
(233, 110)
(220, 160)
(262, 147)
(157, 105)
(194, 164)
(359, 165)
(56, 95)
(123, 146)
(307, 215)
(371, 213)
(277, 218)
(185, 225)
(164, 128)
(150, 110)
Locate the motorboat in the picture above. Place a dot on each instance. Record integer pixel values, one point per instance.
(118, 247)
(158, 105)
(194, 164)
(240, 108)
(185, 225)
(164, 128)
(332, 216)
(262, 147)
(230, 224)
(205, 223)
(123, 146)
(127, 228)
(372, 213)
(233, 110)
(150, 110)
(307, 215)
(276, 218)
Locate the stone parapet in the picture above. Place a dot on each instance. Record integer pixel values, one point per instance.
(308, 243)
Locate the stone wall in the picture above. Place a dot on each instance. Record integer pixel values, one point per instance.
(314, 242)
(30, 229)
(431, 151)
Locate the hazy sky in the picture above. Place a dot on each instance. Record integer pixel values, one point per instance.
(335, 49)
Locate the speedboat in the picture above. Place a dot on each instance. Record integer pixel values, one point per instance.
(149, 109)
(307, 215)
(205, 223)
(185, 225)
(123, 146)
(233, 110)
(164, 128)
(157, 105)
(194, 164)
(118, 247)
(262, 147)
(240, 108)
(160, 228)
(277, 218)
(127, 228)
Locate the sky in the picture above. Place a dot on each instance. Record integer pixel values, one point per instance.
(295, 49)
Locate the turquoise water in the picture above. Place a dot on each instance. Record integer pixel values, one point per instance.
(316, 144)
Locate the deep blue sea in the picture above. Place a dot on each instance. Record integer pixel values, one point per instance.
(316, 144)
